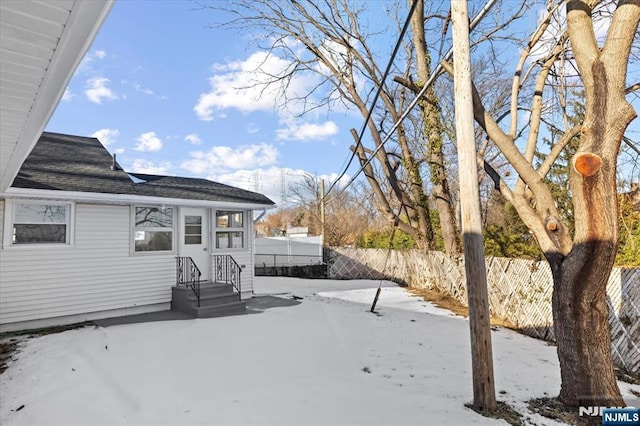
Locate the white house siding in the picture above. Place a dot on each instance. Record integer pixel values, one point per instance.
(97, 273)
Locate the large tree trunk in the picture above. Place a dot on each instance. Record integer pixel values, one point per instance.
(581, 314)
(580, 310)
(433, 134)
(581, 325)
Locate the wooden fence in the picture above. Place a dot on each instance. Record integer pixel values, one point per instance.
(519, 290)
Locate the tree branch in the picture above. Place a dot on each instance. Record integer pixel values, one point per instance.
(582, 37)
(632, 88)
(545, 208)
(515, 87)
(557, 149)
(617, 47)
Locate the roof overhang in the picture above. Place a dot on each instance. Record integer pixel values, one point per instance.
(43, 43)
(101, 198)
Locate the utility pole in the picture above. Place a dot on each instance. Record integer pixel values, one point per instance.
(484, 395)
(322, 206)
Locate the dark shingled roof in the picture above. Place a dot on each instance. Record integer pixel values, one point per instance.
(75, 163)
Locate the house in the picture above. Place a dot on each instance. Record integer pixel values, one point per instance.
(297, 231)
(83, 239)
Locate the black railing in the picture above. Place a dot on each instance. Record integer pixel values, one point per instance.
(227, 270)
(188, 275)
(275, 260)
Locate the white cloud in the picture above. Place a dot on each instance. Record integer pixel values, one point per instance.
(100, 54)
(227, 158)
(269, 182)
(140, 165)
(86, 64)
(138, 88)
(106, 136)
(307, 131)
(274, 182)
(148, 142)
(193, 139)
(67, 95)
(245, 85)
(118, 151)
(253, 128)
(602, 15)
(98, 90)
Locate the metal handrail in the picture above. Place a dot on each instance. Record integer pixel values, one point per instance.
(227, 270)
(188, 275)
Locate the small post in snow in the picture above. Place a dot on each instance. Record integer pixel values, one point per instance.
(375, 299)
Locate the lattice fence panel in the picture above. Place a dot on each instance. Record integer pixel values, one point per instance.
(519, 290)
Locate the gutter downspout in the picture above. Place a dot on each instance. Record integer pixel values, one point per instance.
(257, 219)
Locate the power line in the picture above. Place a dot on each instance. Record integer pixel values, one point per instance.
(476, 20)
(377, 95)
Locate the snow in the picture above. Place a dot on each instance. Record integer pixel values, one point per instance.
(309, 352)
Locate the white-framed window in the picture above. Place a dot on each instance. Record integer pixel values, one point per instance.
(40, 222)
(230, 232)
(153, 229)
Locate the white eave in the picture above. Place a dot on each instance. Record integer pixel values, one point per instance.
(41, 45)
(103, 198)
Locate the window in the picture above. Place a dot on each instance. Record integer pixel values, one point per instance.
(229, 229)
(153, 230)
(193, 229)
(40, 223)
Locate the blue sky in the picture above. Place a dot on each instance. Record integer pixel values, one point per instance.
(158, 88)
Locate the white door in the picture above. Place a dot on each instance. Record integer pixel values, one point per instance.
(194, 238)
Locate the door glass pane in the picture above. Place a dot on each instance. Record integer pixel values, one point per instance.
(193, 220)
(192, 239)
(193, 229)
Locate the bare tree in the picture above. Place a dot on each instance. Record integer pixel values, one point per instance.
(347, 217)
(580, 264)
(433, 132)
(339, 47)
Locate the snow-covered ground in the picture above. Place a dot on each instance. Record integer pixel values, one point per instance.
(317, 358)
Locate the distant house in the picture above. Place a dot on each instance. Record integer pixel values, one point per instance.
(297, 232)
(83, 239)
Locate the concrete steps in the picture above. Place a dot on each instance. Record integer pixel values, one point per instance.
(216, 299)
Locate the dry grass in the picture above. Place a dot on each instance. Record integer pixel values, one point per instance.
(556, 410)
(10, 342)
(503, 411)
(7, 349)
(445, 301)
